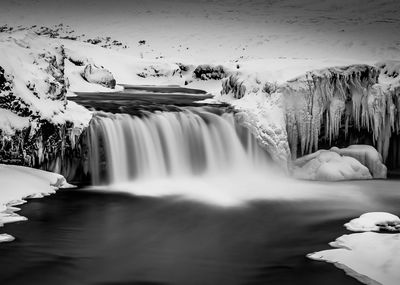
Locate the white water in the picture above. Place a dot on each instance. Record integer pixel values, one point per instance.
(171, 144)
(194, 154)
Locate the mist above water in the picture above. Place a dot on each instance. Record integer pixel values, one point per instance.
(199, 154)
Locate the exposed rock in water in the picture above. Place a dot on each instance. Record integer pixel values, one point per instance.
(207, 72)
(98, 75)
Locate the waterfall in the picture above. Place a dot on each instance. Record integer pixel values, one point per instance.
(193, 142)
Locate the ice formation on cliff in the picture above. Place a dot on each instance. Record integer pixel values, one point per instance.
(259, 111)
(324, 102)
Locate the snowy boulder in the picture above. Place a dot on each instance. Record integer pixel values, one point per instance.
(207, 72)
(375, 222)
(325, 165)
(97, 75)
(368, 156)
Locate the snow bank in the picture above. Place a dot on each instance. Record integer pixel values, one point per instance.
(325, 165)
(370, 257)
(19, 182)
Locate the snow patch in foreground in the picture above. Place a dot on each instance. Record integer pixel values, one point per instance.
(370, 257)
(17, 183)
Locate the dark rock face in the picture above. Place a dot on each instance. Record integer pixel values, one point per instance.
(98, 75)
(55, 148)
(207, 72)
(7, 98)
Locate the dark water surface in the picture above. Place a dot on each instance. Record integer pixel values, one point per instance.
(136, 100)
(88, 237)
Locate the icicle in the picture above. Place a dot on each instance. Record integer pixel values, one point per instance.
(328, 91)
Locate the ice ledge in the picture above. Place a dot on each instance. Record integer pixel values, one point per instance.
(370, 257)
(18, 183)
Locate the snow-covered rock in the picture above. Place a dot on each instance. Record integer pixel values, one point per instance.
(325, 165)
(98, 75)
(370, 257)
(374, 222)
(368, 156)
(207, 72)
(33, 75)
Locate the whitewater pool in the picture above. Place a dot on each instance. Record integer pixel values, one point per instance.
(188, 196)
(83, 236)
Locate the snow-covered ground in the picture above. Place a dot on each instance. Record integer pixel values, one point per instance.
(371, 257)
(18, 183)
(226, 30)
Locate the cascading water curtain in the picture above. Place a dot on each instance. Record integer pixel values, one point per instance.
(169, 144)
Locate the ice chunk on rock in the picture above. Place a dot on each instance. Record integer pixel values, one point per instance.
(98, 75)
(375, 221)
(6, 238)
(325, 165)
